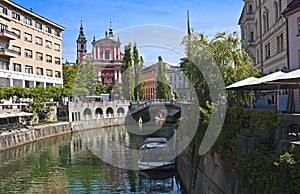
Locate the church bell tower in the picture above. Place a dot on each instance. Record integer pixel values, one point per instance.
(81, 45)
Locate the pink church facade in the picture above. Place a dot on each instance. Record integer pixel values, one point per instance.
(105, 55)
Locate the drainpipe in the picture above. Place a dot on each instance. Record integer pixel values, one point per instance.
(260, 39)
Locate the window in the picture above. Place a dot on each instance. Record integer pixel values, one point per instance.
(298, 58)
(57, 74)
(251, 37)
(48, 58)
(17, 49)
(28, 53)
(3, 26)
(15, 15)
(48, 29)
(257, 56)
(107, 54)
(298, 24)
(280, 43)
(39, 56)
(3, 45)
(27, 20)
(17, 67)
(28, 69)
(18, 32)
(38, 40)
(48, 44)
(38, 25)
(39, 71)
(57, 33)
(3, 10)
(56, 47)
(276, 10)
(27, 37)
(57, 61)
(267, 50)
(4, 65)
(49, 73)
(250, 8)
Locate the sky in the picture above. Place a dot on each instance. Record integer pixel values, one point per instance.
(157, 26)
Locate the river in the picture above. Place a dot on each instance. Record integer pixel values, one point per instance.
(82, 162)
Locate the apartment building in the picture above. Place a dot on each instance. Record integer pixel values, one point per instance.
(263, 31)
(30, 48)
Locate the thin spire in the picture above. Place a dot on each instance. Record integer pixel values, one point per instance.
(110, 31)
(188, 22)
(81, 33)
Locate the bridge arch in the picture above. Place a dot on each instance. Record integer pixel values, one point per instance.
(109, 110)
(87, 113)
(121, 110)
(99, 111)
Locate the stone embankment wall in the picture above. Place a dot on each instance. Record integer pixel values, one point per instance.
(212, 176)
(23, 136)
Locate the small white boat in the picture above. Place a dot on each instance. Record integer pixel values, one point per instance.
(155, 154)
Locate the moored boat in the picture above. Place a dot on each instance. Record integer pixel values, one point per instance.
(156, 154)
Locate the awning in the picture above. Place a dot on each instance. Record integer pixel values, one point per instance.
(24, 114)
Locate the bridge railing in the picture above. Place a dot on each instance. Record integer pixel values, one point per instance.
(142, 105)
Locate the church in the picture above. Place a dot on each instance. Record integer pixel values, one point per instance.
(105, 55)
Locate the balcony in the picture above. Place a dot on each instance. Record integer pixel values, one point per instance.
(8, 34)
(8, 53)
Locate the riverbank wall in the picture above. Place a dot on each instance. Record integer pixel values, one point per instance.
(13, 138)
(212, 175)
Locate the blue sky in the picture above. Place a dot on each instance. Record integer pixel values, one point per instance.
(128, 16)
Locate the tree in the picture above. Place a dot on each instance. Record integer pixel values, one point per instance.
(233, 62)
(100, 89)
(163, 90)
(127, 74)
(138, 62)
(86, 79)
(69, 75)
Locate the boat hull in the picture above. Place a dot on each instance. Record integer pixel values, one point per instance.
(156, 165)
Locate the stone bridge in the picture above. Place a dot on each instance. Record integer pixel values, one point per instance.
(166, 110)
(78, 111)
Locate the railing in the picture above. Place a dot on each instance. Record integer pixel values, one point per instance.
(142, 105)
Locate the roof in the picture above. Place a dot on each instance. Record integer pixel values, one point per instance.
(292, 6)
(35, 14)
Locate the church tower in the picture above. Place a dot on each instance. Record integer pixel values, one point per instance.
(81, 45)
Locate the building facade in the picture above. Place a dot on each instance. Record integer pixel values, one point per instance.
(263, 31)
(106, 56)
(30, 48)
(292, 14)
(176, 78)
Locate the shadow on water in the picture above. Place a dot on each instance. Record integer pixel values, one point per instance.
(66, 164)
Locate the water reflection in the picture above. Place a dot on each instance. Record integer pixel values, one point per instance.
(66, 164)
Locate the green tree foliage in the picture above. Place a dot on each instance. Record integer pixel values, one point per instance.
(138, 62)
(233, 62)
(69, 75)
(86, 79)
(100, 89)
(127, 74)
(163, 91)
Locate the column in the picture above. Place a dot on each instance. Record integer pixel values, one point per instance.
(11, 82)
(120, 76)
(116, 75)
(115, 53)
(23, 83)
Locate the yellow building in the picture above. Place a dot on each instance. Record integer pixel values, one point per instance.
(30, 48)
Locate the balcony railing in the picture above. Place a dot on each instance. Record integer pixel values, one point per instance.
(9, 53)
(8, 34)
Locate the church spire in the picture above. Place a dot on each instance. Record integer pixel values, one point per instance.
(110, 33)
(188, 23)
(81, 33)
